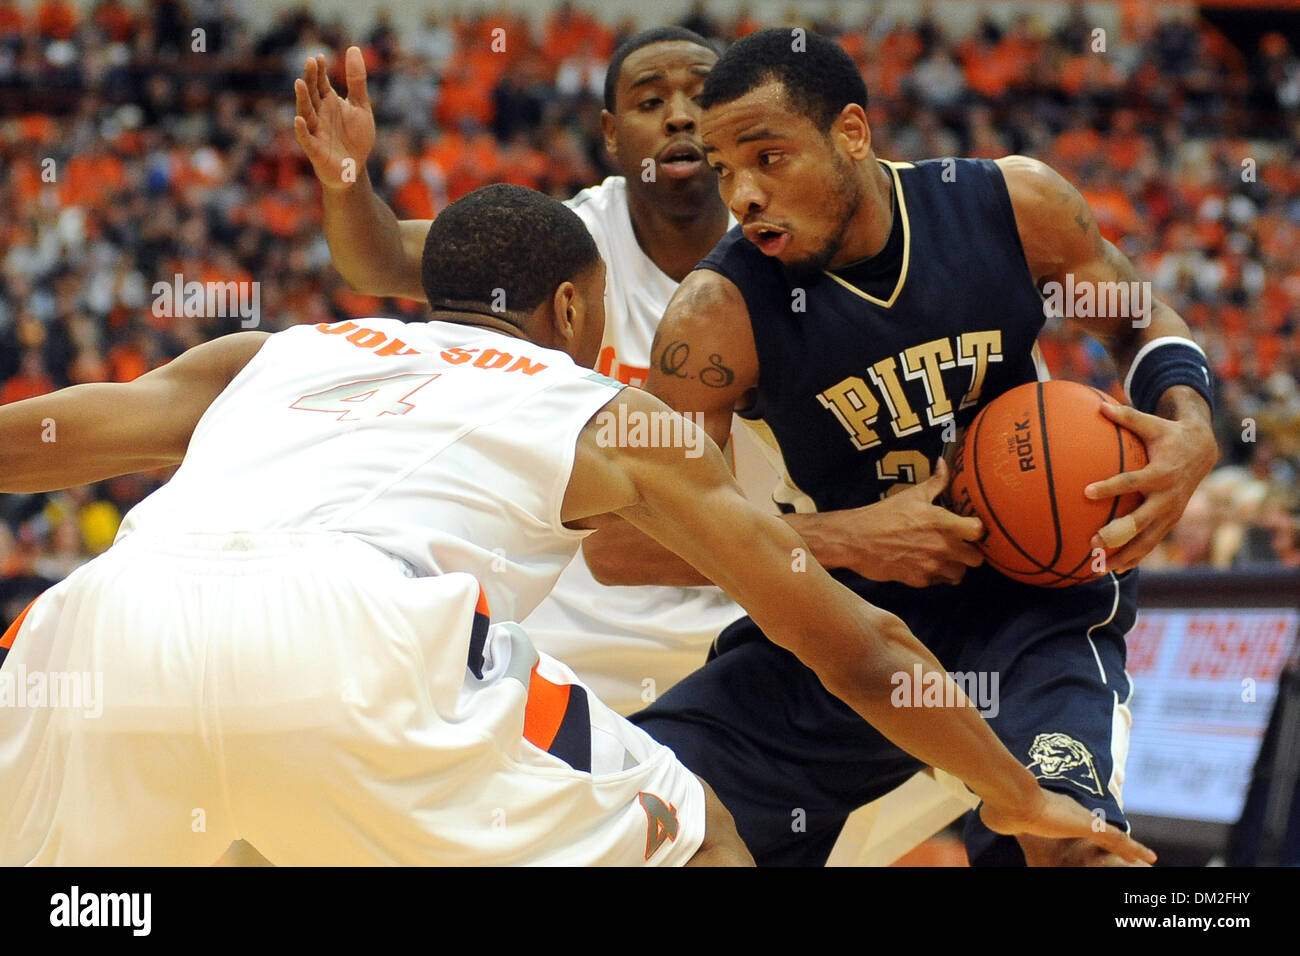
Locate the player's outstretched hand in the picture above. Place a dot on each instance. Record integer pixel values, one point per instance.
(337, 134)
(1056, 815)
(907, 537)
(1179, 455)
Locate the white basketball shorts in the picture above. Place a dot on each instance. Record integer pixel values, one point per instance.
(298, 691)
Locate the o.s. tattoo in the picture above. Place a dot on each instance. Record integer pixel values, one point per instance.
(673, 358)
(717, 375)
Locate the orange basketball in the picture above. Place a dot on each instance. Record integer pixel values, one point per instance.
(1021, 469)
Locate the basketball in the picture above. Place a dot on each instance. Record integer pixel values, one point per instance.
(1021, 468)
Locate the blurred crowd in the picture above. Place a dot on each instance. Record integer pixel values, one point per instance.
(140, 141)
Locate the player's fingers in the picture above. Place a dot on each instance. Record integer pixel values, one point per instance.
(1122, 531)
(1142, 424)
(311, 79)
(1129, 556)
(1117, 533)
(302, 100)
(962, 527)
(356, 73)
(950, 572)
(304, 137)
(933, 486)
(1124, 483)
(968, 554)
(1122, 845)
(323, 85)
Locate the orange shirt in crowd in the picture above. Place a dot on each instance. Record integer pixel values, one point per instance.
(126, 362)
(90, 180)
(23, 386)
(281, 215)
(56, 19)
(116, 20)
(11, 19)
(413, 199)
(37, 128)
(1115, 215)
(1077, 145)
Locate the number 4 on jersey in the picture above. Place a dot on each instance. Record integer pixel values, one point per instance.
(367, 399)
(661, 821)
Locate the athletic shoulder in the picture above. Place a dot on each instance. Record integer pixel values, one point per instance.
(1052, 217)
(1025, 172)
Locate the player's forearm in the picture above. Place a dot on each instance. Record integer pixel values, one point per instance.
(80, 435)
(858, 651)
(824, 536)
(888, 661)
(365, 241)
(622, 555)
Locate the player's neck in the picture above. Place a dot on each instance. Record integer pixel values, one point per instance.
(675, 243)
(869, 228)
(480, 320)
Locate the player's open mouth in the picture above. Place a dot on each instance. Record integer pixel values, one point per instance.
(770, 240)
(681, 161)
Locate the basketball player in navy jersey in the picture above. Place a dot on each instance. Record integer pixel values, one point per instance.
(866, 310)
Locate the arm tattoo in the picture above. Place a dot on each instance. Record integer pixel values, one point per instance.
(673, 360)
(674, 356)
(717, 375)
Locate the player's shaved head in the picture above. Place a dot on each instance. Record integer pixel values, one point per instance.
(818, 76)
(503, 250)
(636, 42)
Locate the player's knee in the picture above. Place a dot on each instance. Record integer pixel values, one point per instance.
(722, 845)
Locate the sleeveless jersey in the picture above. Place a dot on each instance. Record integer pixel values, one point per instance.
(865, 371)
(447, 447)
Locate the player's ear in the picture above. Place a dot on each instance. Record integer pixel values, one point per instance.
(566, 315)
(608, 126)
(853, 131)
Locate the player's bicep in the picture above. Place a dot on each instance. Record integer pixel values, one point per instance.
(703, 359)
(1065, 249)
(161, 408)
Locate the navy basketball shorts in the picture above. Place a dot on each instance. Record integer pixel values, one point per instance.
(791, 761)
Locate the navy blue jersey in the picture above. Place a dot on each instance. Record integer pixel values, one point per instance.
(864, 370)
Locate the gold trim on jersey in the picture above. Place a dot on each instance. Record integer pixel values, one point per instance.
(893, 168)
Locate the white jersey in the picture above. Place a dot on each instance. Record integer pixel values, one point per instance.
(632, 643)
(446, 447)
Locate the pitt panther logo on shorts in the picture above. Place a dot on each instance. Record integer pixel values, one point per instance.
(1061, 757)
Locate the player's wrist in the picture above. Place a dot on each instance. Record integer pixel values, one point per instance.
(1015, 788)
(346, 182)
(1170, 363)
(1179, 403)
(820, 535)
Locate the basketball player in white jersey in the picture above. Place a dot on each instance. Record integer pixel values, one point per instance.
(652, 225)
(304, 637)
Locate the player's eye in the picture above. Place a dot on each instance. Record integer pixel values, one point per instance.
(768, 158)
(649, 104)
(721, 171)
